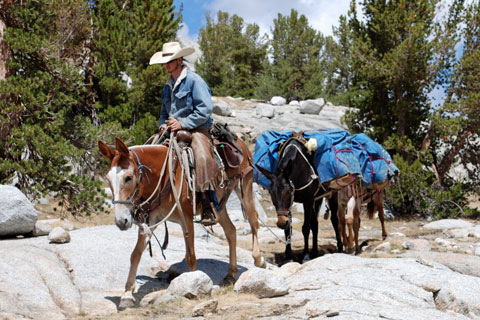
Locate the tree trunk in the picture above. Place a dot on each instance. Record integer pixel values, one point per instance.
(4, 53)
(448, 159)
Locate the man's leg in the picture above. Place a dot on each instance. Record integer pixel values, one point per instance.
(210, 208)
(206, 169)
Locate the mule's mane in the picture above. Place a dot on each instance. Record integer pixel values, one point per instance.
(123, 161)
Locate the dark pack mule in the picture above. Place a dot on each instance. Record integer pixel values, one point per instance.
(295, 180)
(147, 188)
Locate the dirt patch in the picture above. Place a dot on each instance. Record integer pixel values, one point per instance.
(54, 211)
(230, 306)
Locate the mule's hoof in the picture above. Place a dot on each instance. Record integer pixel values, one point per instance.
(261, 263)
(305, 258)
(126, 302)
(228, 280)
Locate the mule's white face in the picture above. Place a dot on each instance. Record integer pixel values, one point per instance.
(123, 183)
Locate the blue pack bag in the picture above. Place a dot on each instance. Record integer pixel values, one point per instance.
(334, 157)
(375, 161)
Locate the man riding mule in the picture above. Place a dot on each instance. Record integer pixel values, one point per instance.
(149, 184)
(187, 105)
(148, 188)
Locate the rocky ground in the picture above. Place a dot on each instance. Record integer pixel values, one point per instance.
(421, 271)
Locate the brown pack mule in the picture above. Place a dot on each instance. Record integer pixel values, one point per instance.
(134, 174)
(351, 199)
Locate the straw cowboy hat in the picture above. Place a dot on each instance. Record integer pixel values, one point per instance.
(170, 51)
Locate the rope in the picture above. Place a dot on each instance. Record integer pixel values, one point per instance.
(175, 194)
(159, 181)
(313, 176)
(167, 158)
(269, 229)
(187, 155)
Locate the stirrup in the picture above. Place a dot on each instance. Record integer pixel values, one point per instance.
(209, 216)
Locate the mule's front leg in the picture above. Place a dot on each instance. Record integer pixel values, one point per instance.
(288, 246)
(307, 209)
(342, 224)
(189, 237)
(314, 228)
(231, 234)
(248, 203)
(333, 204)
(127, 300)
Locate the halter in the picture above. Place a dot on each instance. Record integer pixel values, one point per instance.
(313, 175)
(140, 175)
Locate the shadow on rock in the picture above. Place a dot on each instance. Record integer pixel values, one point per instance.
(145, 285)
(280, 259)
(215, 269)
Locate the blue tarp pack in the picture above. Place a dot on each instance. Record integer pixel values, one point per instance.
(376, 163)
(334, 157)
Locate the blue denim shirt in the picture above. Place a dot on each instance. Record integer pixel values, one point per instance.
(189, 100)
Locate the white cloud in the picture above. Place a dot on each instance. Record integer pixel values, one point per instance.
(184, 32)
(321, 14)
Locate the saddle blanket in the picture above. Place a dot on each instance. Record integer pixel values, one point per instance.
(338, 154)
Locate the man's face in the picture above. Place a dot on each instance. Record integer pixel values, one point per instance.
(173, 65)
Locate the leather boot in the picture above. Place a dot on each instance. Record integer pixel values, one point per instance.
(209, 213)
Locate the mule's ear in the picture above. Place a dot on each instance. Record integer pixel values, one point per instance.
(265, 172)
(121, 146)
(105, 150)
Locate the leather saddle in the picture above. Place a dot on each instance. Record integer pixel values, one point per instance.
(225, 142)
(230, 153)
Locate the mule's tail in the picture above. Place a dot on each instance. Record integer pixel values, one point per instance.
(370, 209)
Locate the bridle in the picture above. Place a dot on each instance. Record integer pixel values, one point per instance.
(136, 207)
(288, 213)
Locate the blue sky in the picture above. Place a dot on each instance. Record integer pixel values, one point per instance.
(321, 14)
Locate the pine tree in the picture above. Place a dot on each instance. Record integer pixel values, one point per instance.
(233, 55)
(393, 59)
(455, 126)
(126, 35)
(68, 69)
(41, 104)
(296, 49)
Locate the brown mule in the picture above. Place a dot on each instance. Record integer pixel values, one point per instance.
(351, 198)
(134, 174)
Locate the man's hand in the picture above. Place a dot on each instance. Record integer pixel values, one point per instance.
(162, 128)
(173, 124)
